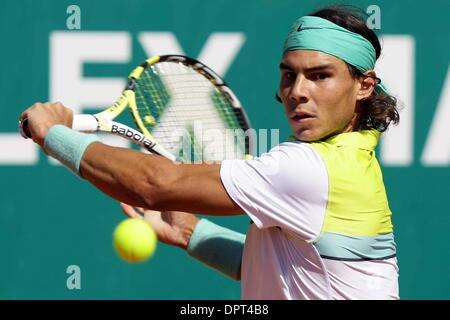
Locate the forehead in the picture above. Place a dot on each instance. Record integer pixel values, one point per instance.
(301, 59)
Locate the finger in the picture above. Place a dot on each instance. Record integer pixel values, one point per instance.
(24, 114)
(139, 211)
(130, 211)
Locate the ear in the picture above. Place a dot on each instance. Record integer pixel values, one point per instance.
(367, 85)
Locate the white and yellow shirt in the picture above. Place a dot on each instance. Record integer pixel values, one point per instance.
(322, 224)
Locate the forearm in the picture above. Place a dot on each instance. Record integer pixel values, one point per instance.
(218, 247)
(153, 182)
(126, 175)
(142, 180)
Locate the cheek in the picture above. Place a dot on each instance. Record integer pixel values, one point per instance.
(335, 111)
(340, 117)
(339, 100)
(283, 93)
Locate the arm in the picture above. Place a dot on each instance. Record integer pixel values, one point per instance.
(127, 175)
(217, 247)
(146, 180)
(156, 183)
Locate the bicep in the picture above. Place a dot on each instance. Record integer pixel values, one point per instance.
(196, 188)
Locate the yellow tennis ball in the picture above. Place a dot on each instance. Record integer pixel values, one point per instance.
(134, 240)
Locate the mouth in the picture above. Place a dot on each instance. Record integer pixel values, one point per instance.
(301, 117)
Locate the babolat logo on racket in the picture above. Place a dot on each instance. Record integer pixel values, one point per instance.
(132, 135)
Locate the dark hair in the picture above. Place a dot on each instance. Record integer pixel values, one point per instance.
(379, 110)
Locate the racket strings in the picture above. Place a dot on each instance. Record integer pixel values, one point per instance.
(173, 100)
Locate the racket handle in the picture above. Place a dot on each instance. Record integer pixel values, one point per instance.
(81, 122)
(85, 123)
(88, 123)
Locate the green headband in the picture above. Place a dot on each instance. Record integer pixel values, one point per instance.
(314, 33)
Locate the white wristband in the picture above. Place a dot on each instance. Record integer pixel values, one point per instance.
(68, 146)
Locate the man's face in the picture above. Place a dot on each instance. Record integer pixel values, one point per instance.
(318, 93)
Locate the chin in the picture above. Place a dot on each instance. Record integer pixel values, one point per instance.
(307, 135)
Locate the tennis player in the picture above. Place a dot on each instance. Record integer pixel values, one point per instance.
(321, 224)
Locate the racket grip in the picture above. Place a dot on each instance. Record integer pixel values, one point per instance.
(85, 123)
(81, 122)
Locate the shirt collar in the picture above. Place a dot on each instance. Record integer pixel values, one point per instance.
(365, 139)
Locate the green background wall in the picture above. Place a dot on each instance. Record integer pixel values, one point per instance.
(50, 219)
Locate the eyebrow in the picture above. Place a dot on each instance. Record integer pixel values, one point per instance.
(285, 66)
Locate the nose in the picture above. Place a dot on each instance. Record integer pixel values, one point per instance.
(299, 90)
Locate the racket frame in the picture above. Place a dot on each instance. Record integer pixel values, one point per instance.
(104, 120)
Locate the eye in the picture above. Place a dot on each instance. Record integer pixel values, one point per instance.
(320, 76)
(288, 75)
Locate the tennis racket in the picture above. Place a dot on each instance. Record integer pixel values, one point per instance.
(167, 96)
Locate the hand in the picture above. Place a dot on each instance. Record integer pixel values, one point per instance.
(171, 227)
(42, 116)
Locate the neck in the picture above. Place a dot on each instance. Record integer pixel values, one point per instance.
(355, 123)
